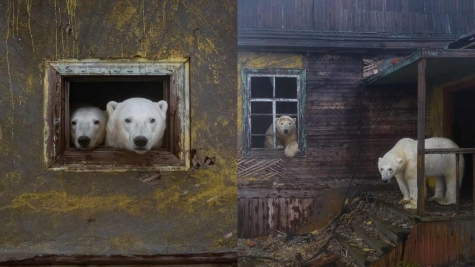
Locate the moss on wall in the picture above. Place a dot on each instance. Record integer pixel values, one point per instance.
(116, 213)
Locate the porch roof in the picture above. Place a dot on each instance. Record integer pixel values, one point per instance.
(441, 65)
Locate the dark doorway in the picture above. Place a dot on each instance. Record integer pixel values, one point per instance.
(462, 109)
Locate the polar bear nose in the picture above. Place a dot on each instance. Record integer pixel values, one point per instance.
(140, 141)
(84, 141)
(286, 131)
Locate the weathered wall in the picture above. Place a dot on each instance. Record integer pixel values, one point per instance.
(116, 213)
(348, 128)
(383, 16)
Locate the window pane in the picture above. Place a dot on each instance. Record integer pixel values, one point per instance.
(261, 87)
(285, 87)
(260, 123)
(258, 141)
(286, 108)
(261, 108)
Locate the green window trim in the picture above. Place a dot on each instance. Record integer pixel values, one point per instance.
(246, 75)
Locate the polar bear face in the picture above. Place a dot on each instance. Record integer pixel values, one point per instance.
(137, 124)
(389, 167)
(88, 127)
(285, 125)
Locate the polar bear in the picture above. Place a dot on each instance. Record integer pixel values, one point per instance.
(137, 124)
(286, 136)
(88, 127)
(401, 162)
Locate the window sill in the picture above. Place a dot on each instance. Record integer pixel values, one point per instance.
(109, 160)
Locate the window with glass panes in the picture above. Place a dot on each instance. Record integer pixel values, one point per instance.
(267, 95)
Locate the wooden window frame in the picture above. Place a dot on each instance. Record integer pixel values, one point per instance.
(57, 155)
(246, 75)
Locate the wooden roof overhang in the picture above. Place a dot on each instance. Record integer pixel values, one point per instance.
(431, 66)
(293, 41)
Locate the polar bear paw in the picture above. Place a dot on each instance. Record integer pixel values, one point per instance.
(435, 199)
(446, 201)
(279, 146)
(404, 201)
(412, 205)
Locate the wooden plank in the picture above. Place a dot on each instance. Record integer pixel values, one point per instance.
(421, 90)
(378, 245)
(358, 255)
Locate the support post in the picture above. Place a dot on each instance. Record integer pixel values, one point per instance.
(473, 184)
(457, 183)
(421, 117)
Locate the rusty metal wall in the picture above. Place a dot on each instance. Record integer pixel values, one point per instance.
(436, 243)
(116, 213)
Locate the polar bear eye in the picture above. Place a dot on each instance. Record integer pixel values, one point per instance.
(381, 169)
(390, 169)
(127, 120)
(73, 123)
(152, 120)
(96, 122)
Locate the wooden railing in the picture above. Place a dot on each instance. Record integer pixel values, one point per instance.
(420, 180)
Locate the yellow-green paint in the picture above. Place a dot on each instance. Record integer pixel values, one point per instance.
(434, 121)
(435, 99)
(62, 202)
(187, 212)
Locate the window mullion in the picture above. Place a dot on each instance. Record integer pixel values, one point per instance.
(274, 113)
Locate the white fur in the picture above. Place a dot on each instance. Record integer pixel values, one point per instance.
(136, 117)
(286, 136)
(88, 122)
(401, 162)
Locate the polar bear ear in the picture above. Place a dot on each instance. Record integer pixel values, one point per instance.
(295, 119)
(399, 160)
(111, 107)
(163, 106)
(379, 160)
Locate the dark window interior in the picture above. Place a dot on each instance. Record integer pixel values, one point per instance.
(463, 132)
(262, 101)
(98, 92)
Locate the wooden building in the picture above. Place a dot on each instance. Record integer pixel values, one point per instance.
(345, 122)
(175, 205)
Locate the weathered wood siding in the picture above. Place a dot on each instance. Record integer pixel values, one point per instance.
(383, 16)
(117, 213)
(349, 127)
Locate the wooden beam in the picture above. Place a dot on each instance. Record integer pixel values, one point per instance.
(450, 151)
(473, 184)
(448, 53)
(457, 184)
(421, 117)
(172, 259)
(391, 69)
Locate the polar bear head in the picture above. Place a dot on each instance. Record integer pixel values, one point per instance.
(88, 127)
(137, 124)
(389, 166)
(285, 125)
